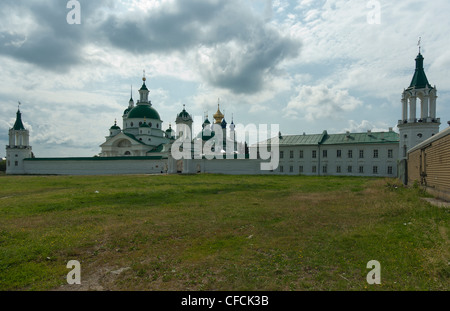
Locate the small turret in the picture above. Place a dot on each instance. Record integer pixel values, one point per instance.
(19, 147)
(114, 130)
(144, 92)
(170, 134)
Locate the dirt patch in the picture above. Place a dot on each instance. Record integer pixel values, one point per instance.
(95, 281)
(437, 202)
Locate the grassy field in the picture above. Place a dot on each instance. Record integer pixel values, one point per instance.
(213, 232)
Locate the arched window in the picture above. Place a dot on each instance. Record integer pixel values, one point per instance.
(132, 124)
(124, 144)
(127, 153)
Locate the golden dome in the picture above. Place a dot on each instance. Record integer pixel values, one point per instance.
(218, 116)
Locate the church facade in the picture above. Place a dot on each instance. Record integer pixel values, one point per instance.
(141, 146)
(142, 133)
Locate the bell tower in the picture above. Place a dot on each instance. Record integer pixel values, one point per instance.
(19, 147)
(419, 121)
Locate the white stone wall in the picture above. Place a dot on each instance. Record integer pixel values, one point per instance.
(93, 167)
(387, 158)
(223, 166)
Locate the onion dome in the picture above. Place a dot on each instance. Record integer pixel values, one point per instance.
(224, 124)
(169, 130)
(218, 116)
(170, 133)
(183, 116)
(115, 127)
(142, 112)
(206, 123)
(127, 110)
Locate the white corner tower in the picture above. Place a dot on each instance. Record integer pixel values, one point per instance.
(419, 121)
(19, 147)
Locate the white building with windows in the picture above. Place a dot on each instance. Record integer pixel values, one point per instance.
(351, 154)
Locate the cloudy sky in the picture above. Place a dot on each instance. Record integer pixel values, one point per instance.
(306, 65)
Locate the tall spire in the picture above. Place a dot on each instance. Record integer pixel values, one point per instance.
(18, 125)
(419, 80)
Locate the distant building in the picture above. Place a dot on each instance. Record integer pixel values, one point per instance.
(351, 154)
(142, 146)
(142, 133)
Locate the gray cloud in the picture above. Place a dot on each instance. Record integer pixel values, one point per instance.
(51, 43)
(244, 68)
(244, 50)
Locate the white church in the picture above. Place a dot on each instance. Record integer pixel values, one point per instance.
(141, 146)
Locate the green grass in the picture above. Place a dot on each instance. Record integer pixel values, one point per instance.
(214, 232)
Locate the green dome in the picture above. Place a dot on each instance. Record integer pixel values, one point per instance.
(143, 111)
(184, 114)
(144, 125)
(115, 127)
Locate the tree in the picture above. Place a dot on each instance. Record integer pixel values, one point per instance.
(2, 165)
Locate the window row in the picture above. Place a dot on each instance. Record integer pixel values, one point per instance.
(375, 170)
(301, 154)
(140, 123)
